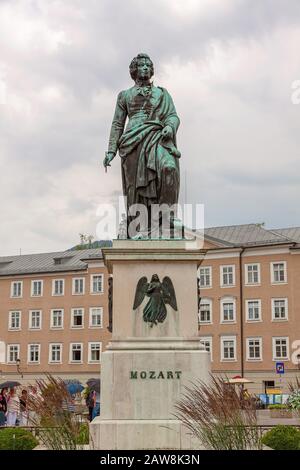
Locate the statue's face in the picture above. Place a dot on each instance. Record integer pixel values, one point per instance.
(144, 69)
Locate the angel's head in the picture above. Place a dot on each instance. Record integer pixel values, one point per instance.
(155, 278)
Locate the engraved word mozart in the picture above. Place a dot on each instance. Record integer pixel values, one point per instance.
(152, 374)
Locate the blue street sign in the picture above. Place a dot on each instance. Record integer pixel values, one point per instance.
(279, 367)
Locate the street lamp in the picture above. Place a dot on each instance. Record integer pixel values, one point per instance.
(18, 361)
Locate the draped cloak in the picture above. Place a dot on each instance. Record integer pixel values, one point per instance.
(143, 151)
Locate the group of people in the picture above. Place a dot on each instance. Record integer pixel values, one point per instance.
(13, 408)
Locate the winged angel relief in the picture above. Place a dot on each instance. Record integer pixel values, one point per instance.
(159, 293)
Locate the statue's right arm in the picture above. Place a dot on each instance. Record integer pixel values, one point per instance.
(118, 123)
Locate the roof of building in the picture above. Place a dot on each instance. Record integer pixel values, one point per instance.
(47, 262)
(293, 233)
(245, 235)
(76, 260)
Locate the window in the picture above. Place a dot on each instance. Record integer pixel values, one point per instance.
(58, 287)
(14, 322)
(97, 284)
(278, 272)
(34, 353)
(228, 348)
(228, 310)
(252, 273)
(78, 284)
(76, 352)
(279, 309)
(77, 318)
(280, 348)
(254, 349)
(13, 353)
(35, 320)
(205, 277)
(96, 317)
(205, 311)
(253, 310)
(207, 342)
(16, 289)
(94, 352)
(227, 276)
(57, 318)
(55, 353)
(36, 288)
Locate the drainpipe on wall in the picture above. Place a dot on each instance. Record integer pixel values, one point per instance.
(241, 311)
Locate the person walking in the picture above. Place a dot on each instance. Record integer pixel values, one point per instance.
(23, 409)
(3, 406)
(90, 403)
(13, 407)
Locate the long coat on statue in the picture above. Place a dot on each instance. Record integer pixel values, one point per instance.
(150, 167)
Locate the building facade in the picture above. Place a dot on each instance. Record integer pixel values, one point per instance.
(249, 316)
(53, 315)
(54, 309)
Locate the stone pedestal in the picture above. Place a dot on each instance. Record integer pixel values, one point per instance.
(145, 368)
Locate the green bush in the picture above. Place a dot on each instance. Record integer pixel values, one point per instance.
(294, 400)
(16, 439)
(278, 407)
(282, 438)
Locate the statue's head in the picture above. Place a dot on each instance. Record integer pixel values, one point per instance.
(141, 67)
(155, 278)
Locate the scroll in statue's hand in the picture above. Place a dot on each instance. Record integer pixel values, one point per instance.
(167, 132)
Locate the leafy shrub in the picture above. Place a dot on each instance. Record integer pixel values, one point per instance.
(17, 439)
(294, 400)
(278, 407)
(282, 438)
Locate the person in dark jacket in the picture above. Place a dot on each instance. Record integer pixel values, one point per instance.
(3, 406)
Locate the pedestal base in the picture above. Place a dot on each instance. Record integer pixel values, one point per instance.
(145, 434)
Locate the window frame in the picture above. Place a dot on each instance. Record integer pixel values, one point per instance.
(42, 288)
(52, 327)
(12, 290)
(77, 327)
(227, 300)
(208, 339)
(255, 359)
(73, 285)
(92, 284)
(247, 283)
(50, 361)
(90, 361)
(90, 317)
(256, 320)
(30, 327)
(28, 353)
(205, 300)
(10, 327)
(286, 304)
(210, 277)
(53, 287)
(8, 353)
(228, 338)
(273, 282)
(222, 285)
(71, 351)
(274, 357)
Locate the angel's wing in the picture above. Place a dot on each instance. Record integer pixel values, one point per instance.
(169, 292)
(140, 292)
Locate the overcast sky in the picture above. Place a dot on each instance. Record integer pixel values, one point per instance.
(229, 65)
